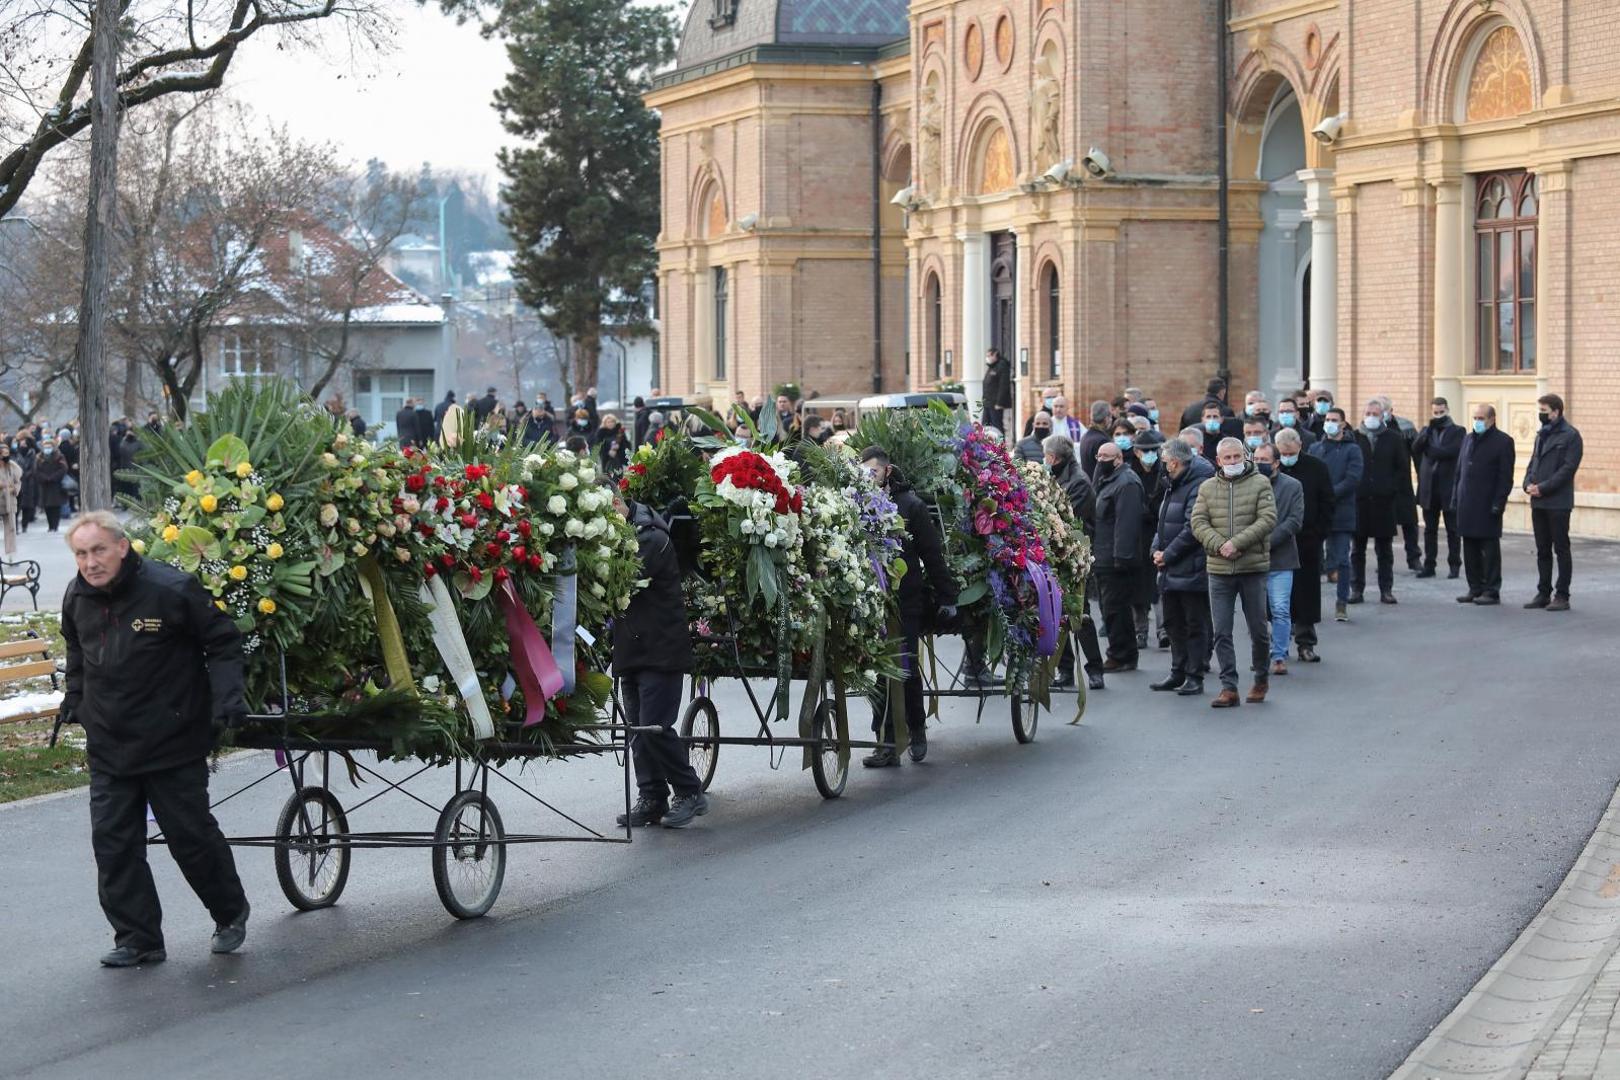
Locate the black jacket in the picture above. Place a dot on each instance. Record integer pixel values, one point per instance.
(49, 470)
(1184, 559)
(1484, 479)
(1388, 465)
(927, 582)
(1435, 449)
(651, 634)
(1082, 496)
(1119, 520)
(998, 384)
(151, 665)
(1553, 461)
(405, 425)
(440, 409)
(1313, 475)
(483, 407)
(426, 430)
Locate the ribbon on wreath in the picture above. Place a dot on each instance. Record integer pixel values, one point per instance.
(395, 662)
(452, 645)
(565, 618)
(1051, 607)
(532, 663)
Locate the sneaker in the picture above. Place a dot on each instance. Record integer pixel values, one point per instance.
(647, 811)
(683, 808)
(124, 956)
(1559, 603)
(1541, 600)
(1164, 640)
(1141, 639)
(919, 743)
(881, 758)
(229, 936)
(1339, 614)
(1064, 680)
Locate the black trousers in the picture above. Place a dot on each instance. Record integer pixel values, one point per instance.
(1552, 539)
(1115, 588)
(1482, 566)
(53, 517)
(991, 417)
(1384, 547)
(912, 686)
(1432, 516)
(1409, 533)
(179, 801)
(1090, 648)
(1306, 600)
(1187, 621)
(653, 698)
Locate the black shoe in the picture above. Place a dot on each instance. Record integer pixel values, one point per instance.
(229, 937)
(1453, 574)
(980, 680)
(1094, 680)
(1063, 680)
(1112, 665)
(1141, 639)
(919, 743)
(1174, 682)
(1487, 600)
(1414, 565)
(1427, 571)
(1357, 596)
(1468, 598)
(1191, 688)
(647, 811)
(1559, 603)
(125, 956)
(1307, 654)
(1164, 641)
(881, 758)
(1541, 600)
(683, 808)
(1387, 596)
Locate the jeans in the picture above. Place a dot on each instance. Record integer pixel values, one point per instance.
(1482, 566)
(1224, 590)
(1187, 621)
(179, 801)
(1432, 517)
(1552, 538)
(663, 765)
(1280, 591)
(1339, 559)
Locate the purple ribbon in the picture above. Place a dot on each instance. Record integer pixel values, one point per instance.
(1051, 607)
(877, 568)
(536, 670)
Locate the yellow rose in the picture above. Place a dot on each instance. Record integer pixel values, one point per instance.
(194, 477)
(244, 470)
(208, 503)
(139, 545)
(267, 606)
(238, 573)
(171, 534)
(274, 503)
(274, 551)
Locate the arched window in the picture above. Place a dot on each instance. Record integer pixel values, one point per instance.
(1051, 321)
(934, 323)
(1499, 80)
(1505, 272)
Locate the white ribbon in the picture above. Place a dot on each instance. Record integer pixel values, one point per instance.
(452, 645)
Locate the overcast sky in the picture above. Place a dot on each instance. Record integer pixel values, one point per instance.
(428, 98)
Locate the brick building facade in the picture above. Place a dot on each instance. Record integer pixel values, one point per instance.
(861, 194)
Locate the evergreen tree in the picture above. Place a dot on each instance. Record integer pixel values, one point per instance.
(582, 194)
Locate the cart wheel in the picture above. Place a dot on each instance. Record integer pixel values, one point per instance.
(1025, 721)
(469, 855)
(699, 724)
(829, 773)
(312, 862)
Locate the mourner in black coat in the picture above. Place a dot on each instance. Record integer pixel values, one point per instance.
(1117, 550)
(1388, 472)
(1059, 453)
(1305, 602)
(1479, 497)
(1435, 451)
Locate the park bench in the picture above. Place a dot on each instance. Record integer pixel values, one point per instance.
(28, 658)
(22, 574)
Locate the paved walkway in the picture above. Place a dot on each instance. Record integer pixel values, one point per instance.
(56, 567)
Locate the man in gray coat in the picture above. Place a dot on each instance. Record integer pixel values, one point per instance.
(1290, 496)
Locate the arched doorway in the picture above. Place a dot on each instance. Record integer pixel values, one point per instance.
(1285, 248)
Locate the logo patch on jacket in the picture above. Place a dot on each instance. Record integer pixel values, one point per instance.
(146, 626)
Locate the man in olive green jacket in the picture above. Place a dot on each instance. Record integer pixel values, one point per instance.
(1233, 518)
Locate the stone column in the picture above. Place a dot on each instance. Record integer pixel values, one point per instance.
(1320, 212)
(1452, 297)
(975, 313)
(1027, 310)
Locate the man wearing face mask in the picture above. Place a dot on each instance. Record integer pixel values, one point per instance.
(1233, 517)
(1387, 466)
(1550, 483)
(1183, 578)
(1316, 485)
(1058, 451)
(1339, 451)
(1094, 437)
(1029, 448)
(1479, 494)
(1117, 553)
(1405, 501)
(924, 589)
(1143, 458)
(1435, 449)
(1321, 402)
(1215, 428)
(50, 474)
(1288, 420)
(1290, 498)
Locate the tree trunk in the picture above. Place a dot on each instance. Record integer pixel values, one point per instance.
(95, 466)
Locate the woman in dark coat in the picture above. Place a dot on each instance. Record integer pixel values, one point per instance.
(50, 469)
(28, 494)
(1479, 496)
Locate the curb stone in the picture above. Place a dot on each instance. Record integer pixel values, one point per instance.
(1525, 1004)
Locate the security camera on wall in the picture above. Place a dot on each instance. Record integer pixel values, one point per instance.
(1327, 132)
(1097, 164)
(748, 222)
(1059, 172)
(907, 198)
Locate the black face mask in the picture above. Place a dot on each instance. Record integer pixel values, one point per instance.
(1106, 468)
(1546, 418)
(1437, 421)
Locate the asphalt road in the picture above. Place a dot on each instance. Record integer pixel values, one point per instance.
(1299, 889)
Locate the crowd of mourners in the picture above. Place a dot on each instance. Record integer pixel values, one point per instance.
(1192, 515)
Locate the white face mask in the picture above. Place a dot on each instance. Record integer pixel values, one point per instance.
(1374, 423)
(1233, 470)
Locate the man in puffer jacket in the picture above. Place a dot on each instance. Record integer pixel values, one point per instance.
(1233, 518)
(1182, 579)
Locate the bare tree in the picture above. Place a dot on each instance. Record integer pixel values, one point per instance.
(38, 273)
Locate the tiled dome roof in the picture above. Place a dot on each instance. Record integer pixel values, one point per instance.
(716, 28)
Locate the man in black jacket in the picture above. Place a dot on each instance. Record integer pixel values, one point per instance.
(997, 388)
(405, 424)
(1436, 448)
(1479, 495)
(1118, 553)
(1387, 462)
(484, 406)
(652, 653)
(925, 588)
(1305, 602)
(1058, 450)
(153, 668)
(440, 409)
(1550, 482)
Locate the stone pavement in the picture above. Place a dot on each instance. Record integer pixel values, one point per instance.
(1586, 1045)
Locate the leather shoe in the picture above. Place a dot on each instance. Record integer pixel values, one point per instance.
(1486, 600)
(1279, 667)
(1226, 699)
(1540, 601)
(1559, 603)
(1308, 655)
(1387, 596)
(1191, 688)
(919, 743)
(1257, 693)
(1357, 596)
(228, 937)
(1173, 682)
(881, 758)
(124, 956)
(1111, 665)
(1426, 572)
(1453, 574)
(1468, 598)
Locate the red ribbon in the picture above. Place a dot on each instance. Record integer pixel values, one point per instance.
(537, 673)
